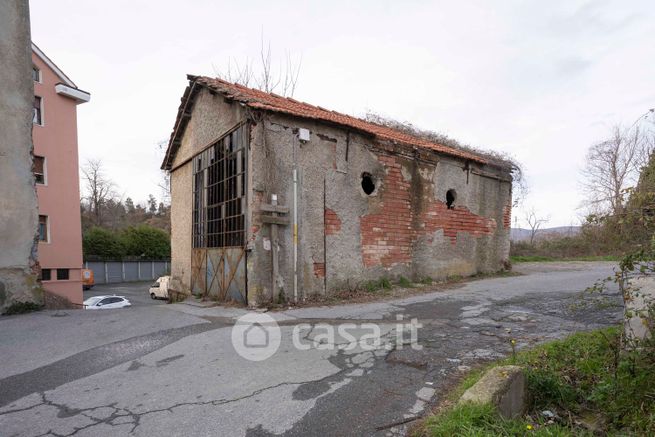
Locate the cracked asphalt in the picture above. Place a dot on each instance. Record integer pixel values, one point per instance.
(172, 369)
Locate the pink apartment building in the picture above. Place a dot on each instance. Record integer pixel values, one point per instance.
(57, 177)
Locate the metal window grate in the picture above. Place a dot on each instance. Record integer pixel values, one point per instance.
(219, 192)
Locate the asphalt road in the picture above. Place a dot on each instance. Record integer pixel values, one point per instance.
(135, 292)
(157, 369)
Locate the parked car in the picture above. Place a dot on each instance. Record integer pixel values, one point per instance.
(159, 290)
(106, 302)
(87, 279)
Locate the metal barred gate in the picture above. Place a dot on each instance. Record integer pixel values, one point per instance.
(218, 259)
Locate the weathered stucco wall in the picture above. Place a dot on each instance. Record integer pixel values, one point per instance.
(211, 118)
(346, 236)
(18, 206)
(181, 222)
(404, 227)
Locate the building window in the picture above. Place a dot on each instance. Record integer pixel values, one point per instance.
(38, 167)
(43, 228)
(219, 192)
(45, 275)
(451, 196)
(37, 111)
(62, 274)
(367, 183)
(36, 74)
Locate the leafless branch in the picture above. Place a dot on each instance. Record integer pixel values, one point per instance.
(99, 188)
(262, 76)
(534, 222)
(613, 166)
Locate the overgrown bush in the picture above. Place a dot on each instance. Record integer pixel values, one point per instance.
(146, 242)
(590, 372)
(586, 373)
(626, 230)
(103, 244)
(376, 285)
(22, 308)
(404, 282)
(593, 241)
(140, 241)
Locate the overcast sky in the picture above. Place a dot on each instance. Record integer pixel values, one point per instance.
(539, 80)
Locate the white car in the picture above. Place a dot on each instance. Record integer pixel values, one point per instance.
(106, 302)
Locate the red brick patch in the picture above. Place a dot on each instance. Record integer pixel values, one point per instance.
(319, 270)
(388, 236)
(507, 216)
(332, 222)
(452, 221)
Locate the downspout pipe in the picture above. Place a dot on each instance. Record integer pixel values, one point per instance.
(295, 232)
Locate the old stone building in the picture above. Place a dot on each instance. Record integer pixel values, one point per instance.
(273, 198)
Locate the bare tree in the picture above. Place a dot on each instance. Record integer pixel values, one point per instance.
(263, 77)
(152, 204)
(241, 73)
(534, 223)
(613, 166)
(99, 188)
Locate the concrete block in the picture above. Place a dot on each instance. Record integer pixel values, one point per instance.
(642, 295)
(503, 387)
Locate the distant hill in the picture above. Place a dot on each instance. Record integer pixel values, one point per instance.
(520, 234)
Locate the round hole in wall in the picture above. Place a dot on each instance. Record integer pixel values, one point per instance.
(451, 196)
(367, 183)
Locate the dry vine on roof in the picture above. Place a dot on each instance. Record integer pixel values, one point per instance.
(502, 160)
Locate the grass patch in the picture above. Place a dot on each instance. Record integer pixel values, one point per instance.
(498, 274)
(583, 375)
(377, 285)
(539, 258)
(356, 291)
(405, 283)
(483, 420)
(22, 308)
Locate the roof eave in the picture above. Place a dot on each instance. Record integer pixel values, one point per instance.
(60, 74)
(180, 123)
(72, 93)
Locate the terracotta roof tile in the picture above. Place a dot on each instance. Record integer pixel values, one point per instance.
(272, 102)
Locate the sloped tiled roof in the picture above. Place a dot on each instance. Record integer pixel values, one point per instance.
(257, 99)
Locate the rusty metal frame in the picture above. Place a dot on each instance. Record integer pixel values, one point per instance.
(219, 234)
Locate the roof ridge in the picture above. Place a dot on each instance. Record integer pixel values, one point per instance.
(275, 103)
